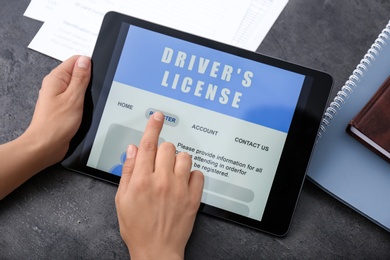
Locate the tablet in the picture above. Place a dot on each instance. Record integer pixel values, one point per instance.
(249, 121)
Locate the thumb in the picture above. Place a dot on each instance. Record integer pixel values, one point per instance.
(80, 76)
(73, 72)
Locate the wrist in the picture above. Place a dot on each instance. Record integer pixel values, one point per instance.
(153, 253)
(21, 158)
(39, 147)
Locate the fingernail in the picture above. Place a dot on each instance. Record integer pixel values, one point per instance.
(130, 152)
(83, 62)
(158, 116)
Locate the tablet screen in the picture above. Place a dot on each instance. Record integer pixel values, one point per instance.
(232, 113)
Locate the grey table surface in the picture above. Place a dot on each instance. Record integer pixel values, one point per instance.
(59, 214)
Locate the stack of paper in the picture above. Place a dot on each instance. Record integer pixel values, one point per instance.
(71, 27)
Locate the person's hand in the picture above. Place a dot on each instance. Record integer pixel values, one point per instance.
(59, 108)
(158, 197)
(56, 118)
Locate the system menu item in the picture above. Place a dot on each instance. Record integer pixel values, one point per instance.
(248, 121)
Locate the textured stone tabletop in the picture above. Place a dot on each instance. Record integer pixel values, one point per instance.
(59, 214)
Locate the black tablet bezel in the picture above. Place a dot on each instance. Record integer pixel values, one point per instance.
(300, 141)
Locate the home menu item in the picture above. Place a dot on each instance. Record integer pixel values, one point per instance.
(241, 116)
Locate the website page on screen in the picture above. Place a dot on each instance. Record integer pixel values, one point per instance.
(231, 114)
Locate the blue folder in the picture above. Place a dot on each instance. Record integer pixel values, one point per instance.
(340, 164)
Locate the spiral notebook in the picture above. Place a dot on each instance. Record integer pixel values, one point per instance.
(340, 164)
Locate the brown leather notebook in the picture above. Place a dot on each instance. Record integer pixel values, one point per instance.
(371, 126)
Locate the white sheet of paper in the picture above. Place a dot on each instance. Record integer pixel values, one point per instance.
(256, 23)
(72, 26)
(40, 9)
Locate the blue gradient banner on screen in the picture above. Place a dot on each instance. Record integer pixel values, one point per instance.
(208, 78)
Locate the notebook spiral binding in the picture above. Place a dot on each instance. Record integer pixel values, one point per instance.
(355, 77)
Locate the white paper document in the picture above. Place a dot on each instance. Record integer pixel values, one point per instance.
(72, 26)
(40, 9)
